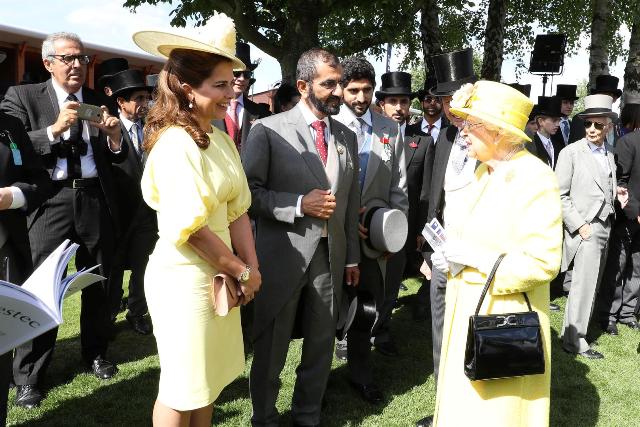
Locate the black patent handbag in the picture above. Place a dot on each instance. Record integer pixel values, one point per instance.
(503, 345)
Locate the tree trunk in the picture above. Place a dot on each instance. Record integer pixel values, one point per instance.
(632, 69)
(494, 40)
(599, 55)
(430, 34)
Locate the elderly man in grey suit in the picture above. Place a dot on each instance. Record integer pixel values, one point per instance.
(302, 171)
(383, 183)
(586, 174)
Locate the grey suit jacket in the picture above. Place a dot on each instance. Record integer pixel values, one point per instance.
(386, 180)
(281, 163)
(582, 192)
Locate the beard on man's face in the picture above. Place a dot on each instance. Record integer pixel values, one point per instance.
(329, 106)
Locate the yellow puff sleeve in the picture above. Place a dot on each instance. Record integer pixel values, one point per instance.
(174, 184)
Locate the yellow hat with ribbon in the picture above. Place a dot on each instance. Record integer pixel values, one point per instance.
(496, 104)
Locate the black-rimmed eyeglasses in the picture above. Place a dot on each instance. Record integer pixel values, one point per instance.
(70, 59)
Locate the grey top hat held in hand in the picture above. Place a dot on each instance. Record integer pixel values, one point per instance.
(388, 229)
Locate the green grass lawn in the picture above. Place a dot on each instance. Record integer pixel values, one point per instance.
(584, 393)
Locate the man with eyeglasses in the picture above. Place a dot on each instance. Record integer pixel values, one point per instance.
(432, 119)
(242, 111)
(586, 173)
(78, 155)
(302, 169)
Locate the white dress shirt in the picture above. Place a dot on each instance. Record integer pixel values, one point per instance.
(309, 118)
(239, 110)
(435, 131)
(348, 118)
(127, 125)
(87, 162)
(600, 152)
(548, 145)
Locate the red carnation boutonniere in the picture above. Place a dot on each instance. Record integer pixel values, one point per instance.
(413, 144)
(385, 139)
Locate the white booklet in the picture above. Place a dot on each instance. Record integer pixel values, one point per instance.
(435, 235)
(36, 307)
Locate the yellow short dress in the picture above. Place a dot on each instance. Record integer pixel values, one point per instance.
(190, 188)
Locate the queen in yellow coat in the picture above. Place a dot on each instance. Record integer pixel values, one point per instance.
(514, 209)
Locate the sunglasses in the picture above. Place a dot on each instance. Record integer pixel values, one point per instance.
(588, 123)
(246, 74)
(70, 59)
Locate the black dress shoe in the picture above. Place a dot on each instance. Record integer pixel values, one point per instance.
(420, 313)
(611, 328)
(633, 325)
(425, 422)
(28, 396)
(139, 324)
(554, 307)
(341, 351)
(388, 348)
(591, 354)
(369, 392)
(103, 369)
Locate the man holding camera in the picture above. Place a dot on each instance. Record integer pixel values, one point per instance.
(77, 142)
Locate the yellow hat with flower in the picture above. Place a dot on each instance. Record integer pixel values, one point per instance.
(494, 103)
(217, 36)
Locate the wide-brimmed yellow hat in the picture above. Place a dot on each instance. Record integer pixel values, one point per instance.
(494, 103)
(217, 36)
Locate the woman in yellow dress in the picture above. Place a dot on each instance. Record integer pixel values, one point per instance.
(514, 209)
(194, 180)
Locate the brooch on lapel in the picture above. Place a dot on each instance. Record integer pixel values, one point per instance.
(340, 149)
(413, 144)
(386, 151)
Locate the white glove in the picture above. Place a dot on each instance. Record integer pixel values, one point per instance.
(459, 253)
(439, 261)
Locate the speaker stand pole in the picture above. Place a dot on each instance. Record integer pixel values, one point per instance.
(545, 78)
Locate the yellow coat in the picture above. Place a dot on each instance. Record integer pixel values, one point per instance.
(514, 210)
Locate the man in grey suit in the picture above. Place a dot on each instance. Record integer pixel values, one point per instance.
(302, 171)
(586, 174)
(383, 182)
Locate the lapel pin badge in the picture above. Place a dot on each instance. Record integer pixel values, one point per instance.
(413, 144)
(340, 149)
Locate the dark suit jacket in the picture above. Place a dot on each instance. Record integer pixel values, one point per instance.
(37, 108)
(628, 171)
(432, 194)
(416, 146)
(30, 177)
(536, 147)
(252, 112)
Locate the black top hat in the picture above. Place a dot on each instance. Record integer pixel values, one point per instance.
(429, 84)
(606, 84)
(524, 89)
(243, 53)
(566, 92)
(358, 311)
(453, 69)
(126, 80)
(534, 112)
(395, 83)
(550, 106)
(109, 67)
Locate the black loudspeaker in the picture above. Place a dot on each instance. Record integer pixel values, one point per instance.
(548, 53)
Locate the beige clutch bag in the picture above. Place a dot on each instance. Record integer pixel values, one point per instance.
(224, 294)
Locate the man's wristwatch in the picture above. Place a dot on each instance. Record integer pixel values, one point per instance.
(244, 276)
